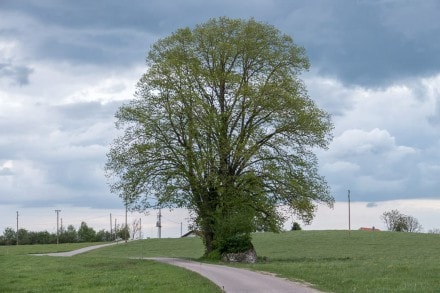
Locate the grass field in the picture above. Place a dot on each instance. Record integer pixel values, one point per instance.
(362, 262)
(332, 261)
(108, 272)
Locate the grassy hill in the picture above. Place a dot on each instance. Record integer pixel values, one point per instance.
(362, 262)
(330, 260)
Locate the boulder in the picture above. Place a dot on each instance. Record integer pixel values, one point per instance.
(249, 256)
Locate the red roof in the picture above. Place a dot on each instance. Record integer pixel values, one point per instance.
(368, 229)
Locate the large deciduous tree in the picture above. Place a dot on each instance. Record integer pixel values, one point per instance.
(222, 124)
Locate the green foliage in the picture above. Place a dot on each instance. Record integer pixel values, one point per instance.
(86, 233)
(296, 226)
(222, 124)
(43, 237)
(236, 243)
(9, 236)
(103, 236)
(399, 222)
(69, 235)
(123, 233)
(213, 255)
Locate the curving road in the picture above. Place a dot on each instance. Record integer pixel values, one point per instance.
(78, 251)
(237, 280)
(230, 279)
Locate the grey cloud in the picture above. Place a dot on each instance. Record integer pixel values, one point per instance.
(6, 172)
(95, 201)
(83, 112)
(368, 43)
(353, 41)
(18, 74)
(372, 205)
(434, 119)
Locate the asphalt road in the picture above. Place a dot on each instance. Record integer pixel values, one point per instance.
(235, 280)
(78, 251)
(231, 280)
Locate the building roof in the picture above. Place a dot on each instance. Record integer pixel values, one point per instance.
(369, 229)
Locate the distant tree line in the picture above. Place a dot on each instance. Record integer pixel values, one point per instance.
(398, 222)
(65, 235)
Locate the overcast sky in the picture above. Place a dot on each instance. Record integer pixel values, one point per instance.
(66, 67)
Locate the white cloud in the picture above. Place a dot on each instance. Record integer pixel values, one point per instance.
(385, 143)
(355, 142)
(56, 131)
(341, 166)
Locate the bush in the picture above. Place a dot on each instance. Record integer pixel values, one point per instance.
(235, 244)
(296, 227)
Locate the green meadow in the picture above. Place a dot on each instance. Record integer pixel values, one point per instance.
(104, 272)
(332, 261)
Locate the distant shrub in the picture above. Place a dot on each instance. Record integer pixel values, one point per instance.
(296, 227)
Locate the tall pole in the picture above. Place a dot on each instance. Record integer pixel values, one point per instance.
(349, 213)
(17, 228)
(140, 228)
(58, 217)
(111, 230)
(159, 224)
(126, 226)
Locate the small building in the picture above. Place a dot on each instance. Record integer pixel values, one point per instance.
(192, 233)
(369, 229)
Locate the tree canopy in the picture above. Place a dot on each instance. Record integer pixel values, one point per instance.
(222, 124)
(398, 222)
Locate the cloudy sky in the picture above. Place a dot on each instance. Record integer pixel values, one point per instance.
(66, 67)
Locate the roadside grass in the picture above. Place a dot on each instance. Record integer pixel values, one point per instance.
(191, 248)
(91, 273)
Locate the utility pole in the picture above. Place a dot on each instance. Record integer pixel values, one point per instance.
(349, 214)
(58, 216)
(17, 228)
(111, 230)
(159, 224)
(116, 230)
(126, 226)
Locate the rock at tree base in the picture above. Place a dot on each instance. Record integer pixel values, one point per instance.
(249, 256)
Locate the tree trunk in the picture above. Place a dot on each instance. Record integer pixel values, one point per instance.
(208, 239)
